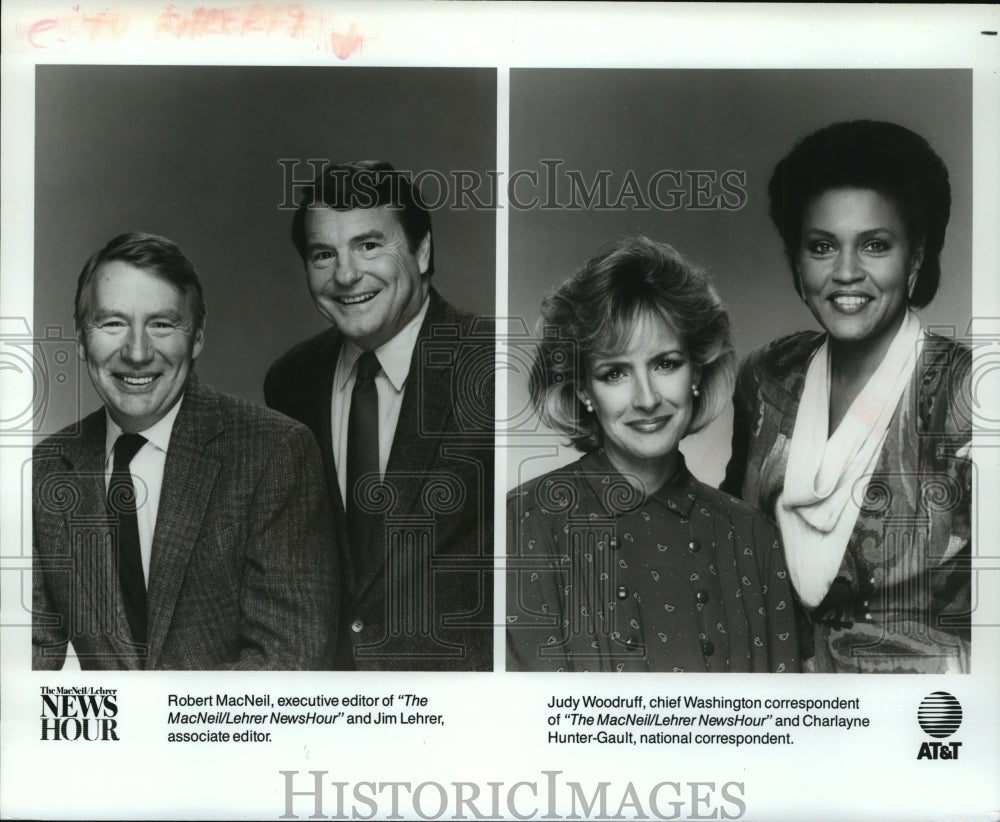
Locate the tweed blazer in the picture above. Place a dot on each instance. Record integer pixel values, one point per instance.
(905, 579)
(243, 573)
(423, 599)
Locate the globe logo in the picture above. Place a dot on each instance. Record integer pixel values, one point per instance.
(940, 714)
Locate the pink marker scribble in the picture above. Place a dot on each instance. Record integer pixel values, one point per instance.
(177, 21)
(52, 31)
(344, 45)
(261, 19)
(37, 29)
(105, 25)
(282, 20)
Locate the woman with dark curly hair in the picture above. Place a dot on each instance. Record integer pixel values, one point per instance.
(855, 439)
(623, 561)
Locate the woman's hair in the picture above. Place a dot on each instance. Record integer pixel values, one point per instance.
(867, 154)
(594, 314)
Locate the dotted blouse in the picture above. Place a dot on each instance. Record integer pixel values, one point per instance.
(602, 579)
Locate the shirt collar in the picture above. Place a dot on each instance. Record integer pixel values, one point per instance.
(394, 356)
(158, 433)
(677, 495)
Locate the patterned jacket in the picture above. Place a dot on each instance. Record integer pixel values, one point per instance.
(243, 571)
(602, 579)
(905, 578)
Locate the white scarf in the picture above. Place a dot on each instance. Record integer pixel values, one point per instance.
(826, 478)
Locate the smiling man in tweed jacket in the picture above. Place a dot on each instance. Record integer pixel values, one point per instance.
(177, 527)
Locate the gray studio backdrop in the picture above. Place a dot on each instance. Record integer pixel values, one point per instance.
(192, 153)
(710, 121)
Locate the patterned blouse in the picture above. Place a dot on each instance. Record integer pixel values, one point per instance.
(602, 579)
(904, 583)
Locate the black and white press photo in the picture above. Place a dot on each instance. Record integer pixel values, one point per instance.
(750, 292)
(497, 411)
(261, 233)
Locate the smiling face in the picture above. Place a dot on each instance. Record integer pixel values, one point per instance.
(642, 396)
(362, 274)
(856, 264)
(139, 342)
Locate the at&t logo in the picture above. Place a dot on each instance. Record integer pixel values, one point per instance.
(939, 715)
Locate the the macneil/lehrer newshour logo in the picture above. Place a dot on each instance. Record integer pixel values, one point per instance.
(939, 715)
(74, 714)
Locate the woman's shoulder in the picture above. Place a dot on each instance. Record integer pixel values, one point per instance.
(784, 354)
(725, 505)
(946, 353)
(553, 486)
(780, 364)
(945, 386)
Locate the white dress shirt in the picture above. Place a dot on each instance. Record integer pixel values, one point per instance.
(147, 476)
(394, 357)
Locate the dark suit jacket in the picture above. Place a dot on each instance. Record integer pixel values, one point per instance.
(423, 600)
(243, 574)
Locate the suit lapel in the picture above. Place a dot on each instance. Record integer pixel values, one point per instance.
(425, 409)
(93, 554)
(189, 477)
(424, 413)
(422, 416)
(319, 407)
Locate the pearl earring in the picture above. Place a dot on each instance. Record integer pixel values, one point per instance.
(589, 405)
(695, 391)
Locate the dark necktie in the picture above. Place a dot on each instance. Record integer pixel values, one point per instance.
(121, 499)
(362, 451)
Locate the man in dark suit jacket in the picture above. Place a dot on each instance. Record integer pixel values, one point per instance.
(209, 544)
(419, 518)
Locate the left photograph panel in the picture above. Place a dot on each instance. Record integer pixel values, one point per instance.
(264, 381)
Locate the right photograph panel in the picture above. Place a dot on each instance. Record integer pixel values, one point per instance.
(737, 391)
